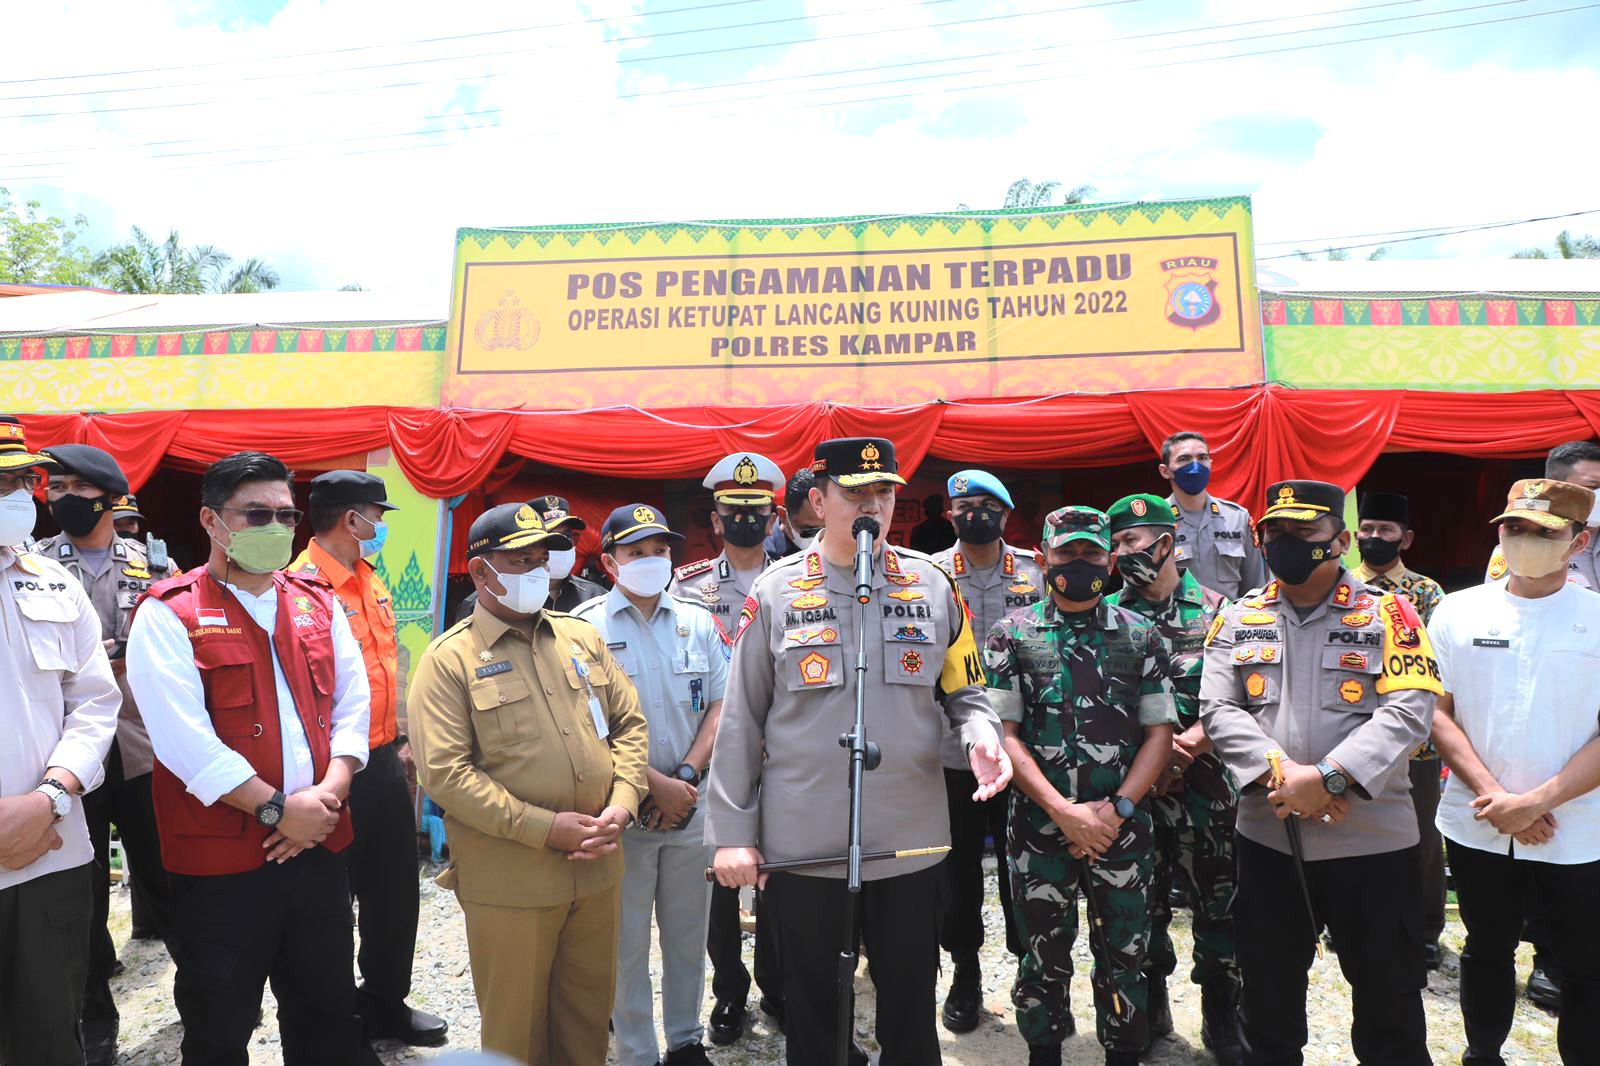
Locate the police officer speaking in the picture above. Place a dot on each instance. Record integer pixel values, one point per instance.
(1336, 681)
(777, 788)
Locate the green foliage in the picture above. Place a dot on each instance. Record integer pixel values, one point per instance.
(1567, 247)
(1023, 193)
(37, 250)
(143, 265)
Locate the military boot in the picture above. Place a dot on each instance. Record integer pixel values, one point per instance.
(1219, 1020)
(962, 1005)
(1044, 1055)
(1159, 1010)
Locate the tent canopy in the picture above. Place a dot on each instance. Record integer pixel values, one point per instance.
(83, 310)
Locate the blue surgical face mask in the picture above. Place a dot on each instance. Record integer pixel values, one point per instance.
(374, 544)
(1192, 477)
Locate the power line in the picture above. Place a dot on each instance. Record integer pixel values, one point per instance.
(1147, 51)
(962, 88)
(1153, 66)
(1312, 242)
(370, 47)
(391, 64)
(1441, 233)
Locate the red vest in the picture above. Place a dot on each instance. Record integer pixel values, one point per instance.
(235, 661)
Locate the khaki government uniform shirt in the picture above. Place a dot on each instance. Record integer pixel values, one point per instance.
(115, 592)
(504, 740)
(1353, 682)
(779, 779)
(991, 593)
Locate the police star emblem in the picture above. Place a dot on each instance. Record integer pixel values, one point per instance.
(870, 456)
(745, 473)
(527, 518)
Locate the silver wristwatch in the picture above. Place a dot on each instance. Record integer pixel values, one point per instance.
(60, 799)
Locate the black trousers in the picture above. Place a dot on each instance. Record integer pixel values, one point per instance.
(970, 823)
(44, 955)
(1425, 796)
(900, 919)
(130, 804)
(383, 878)
(1369, 904)
(730, 981)
(1493, 891)
(287, 923)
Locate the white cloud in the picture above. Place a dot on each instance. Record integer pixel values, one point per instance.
(1409, 136)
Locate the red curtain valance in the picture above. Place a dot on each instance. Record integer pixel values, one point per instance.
(1259, 434)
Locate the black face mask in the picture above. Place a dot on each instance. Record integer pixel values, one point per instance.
(980, 526)
(1079, 581)
(78, 515)
(1294, 560)
(1141, 568)
(744, 530)
(1376, 551)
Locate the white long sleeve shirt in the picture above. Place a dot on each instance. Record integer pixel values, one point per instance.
(58, 700)
(166, 682)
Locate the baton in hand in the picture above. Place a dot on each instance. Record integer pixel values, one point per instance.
(1291, 826)
(1097, 937)
(836, 860)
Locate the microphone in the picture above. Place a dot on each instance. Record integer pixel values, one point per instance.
(865, 530)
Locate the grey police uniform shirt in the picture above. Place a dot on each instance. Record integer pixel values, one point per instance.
(115, 592)
(1215, 544)
(716, 586)
(678, 663)
(991, 593)
(779, 780)
(1310, 688)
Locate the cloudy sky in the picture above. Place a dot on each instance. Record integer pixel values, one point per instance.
(345, 140)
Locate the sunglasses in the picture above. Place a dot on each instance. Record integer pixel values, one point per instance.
(261, 516)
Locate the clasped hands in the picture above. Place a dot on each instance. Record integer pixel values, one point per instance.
(1303, 793)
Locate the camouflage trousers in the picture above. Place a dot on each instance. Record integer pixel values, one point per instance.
(1196, 832)
(1045, 880)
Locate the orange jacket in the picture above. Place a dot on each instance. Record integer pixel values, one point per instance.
(371, 613)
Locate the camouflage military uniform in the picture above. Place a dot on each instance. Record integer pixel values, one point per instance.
(1081, 689)
(1194, 820)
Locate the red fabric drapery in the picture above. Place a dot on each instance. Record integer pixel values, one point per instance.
(1259, 434)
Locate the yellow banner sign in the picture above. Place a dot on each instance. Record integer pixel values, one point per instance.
(1002, 305)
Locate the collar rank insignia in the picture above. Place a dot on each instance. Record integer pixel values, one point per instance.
(485, 656)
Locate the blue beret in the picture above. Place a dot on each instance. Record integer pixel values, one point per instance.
(977, 483)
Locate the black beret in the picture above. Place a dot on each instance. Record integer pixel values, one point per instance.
(88, 462)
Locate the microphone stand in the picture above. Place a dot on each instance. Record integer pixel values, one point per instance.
(864, 756)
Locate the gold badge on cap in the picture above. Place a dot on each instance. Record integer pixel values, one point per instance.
(643, 515)
(553, 502)
(870, 456)
(1138, 507)
(1286, 496)
(527, 518)
(959, 483)
(746, 473)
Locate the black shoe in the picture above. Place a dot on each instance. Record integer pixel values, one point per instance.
(774, 1011)
(1219, 1020)
(962, 1005)
(143, 933)
(407, 1025)
(1121, 1058)
(1178, 897)
(1543, 989)
(727, 1022)
(100, 1040)
(1044, 1055)
(858, 1055)
(1159, 1010)
(688, 1055)
(1432, 957)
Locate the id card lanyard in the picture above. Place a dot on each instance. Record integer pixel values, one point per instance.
(602, 728)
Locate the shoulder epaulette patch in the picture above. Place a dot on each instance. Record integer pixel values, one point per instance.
(684, 573)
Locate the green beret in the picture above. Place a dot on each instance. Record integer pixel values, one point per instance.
(1142, 509)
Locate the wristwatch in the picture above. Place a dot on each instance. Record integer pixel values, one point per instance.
(1124, 807)
(1333, 778)
(60, 799)
(270, 813)
(687, 774)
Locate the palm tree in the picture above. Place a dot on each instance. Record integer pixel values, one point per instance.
(1024, 194)
(1567, 247)
(142, 265)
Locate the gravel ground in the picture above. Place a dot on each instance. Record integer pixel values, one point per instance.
(443, 985)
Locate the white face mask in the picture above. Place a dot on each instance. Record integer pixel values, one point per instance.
(525, 593)
(646, 577)
(17, 516)
(1594, 512)
(1534, 557)
(561, 563)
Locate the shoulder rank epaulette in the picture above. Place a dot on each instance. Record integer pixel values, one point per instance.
(684, 573)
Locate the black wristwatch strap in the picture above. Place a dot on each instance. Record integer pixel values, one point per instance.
(278, 801)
